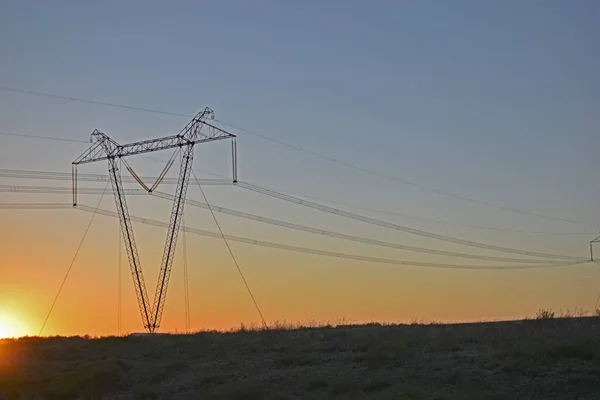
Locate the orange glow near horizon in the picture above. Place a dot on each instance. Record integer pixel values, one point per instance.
(474, 159)
(12, 327)
(38, 246)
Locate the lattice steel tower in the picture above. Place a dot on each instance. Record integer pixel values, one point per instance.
(105, 148)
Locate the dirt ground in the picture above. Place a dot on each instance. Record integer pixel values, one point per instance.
(534, 359)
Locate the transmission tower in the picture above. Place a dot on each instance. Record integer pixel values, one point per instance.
(596, 240)
(106, 148)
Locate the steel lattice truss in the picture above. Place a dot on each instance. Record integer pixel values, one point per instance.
(106, 148)
(596, 240)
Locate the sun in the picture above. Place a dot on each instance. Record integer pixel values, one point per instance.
(5, 331)
(10, 327)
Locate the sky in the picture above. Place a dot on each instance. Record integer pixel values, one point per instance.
(491, 101)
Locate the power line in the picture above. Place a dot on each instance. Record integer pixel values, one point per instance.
(47, 175)
(323, 232)
(289, 225)
(359, 239)
(339, 203)
(35, 206)
(88, 101)
(87, 177)
(392, 178)
(43, 137)
(71, 265)
(432, 220)
(231, 253)
(61, 189)
(397, 227)
(331, 254)
(299, 149)
(25, 189)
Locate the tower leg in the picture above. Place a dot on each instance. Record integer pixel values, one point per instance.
(173, 231)
(128, 238)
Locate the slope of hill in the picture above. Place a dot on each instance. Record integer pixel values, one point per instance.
(532, 359)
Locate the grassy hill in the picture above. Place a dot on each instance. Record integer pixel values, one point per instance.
(531, 359)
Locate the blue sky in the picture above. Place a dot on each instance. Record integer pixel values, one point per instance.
(467, 96)
(491, 100)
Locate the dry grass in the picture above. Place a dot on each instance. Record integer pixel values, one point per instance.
(546, 358)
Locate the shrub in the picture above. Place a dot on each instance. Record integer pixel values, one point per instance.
(545, 314)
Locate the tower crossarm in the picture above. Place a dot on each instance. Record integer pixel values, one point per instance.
(196, 131)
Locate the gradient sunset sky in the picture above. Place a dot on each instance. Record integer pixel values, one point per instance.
(494, 101)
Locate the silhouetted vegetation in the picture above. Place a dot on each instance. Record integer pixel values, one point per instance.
(553, 355)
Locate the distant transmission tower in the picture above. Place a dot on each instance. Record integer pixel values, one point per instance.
(105, 148)
(597, 240)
